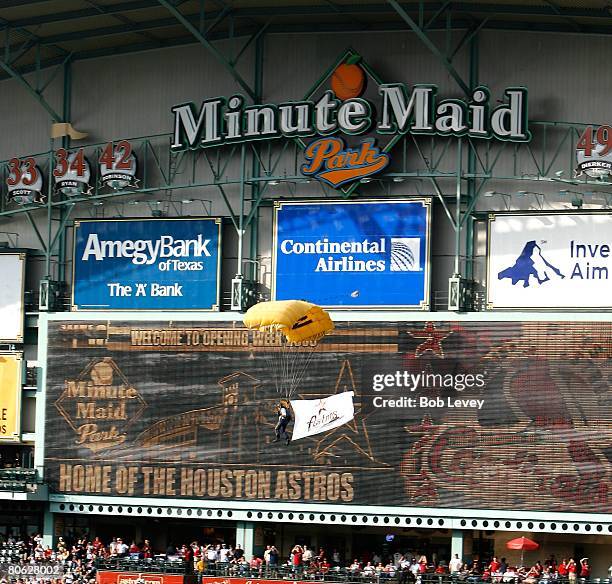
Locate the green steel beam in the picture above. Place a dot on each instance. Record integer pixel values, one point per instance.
(557, 10)
(205, 42)
(14, 3)
(136, 27)
(66, 16)
(434, 8)
(35, 94)
(430, 45)
(9, 26)
(255, 165)
(251, 39)
(300, 28)
(472, 192)
(62, 251)
(437, 13)
(23, 50)
(326, 9)
(34, 227)
(467, 37)
(457, 222)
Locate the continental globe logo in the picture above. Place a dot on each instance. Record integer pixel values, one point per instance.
(405, 254)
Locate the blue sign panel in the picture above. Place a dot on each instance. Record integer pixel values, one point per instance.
(369, 254)
(147, 264)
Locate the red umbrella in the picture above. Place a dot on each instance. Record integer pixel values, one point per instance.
(522, 543)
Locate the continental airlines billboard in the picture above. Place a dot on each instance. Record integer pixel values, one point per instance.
(486, 415)
(354, 254)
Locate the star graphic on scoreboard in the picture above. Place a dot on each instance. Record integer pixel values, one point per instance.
(354, 434)
(432, 340)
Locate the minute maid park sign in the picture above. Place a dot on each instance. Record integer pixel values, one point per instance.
(340, 108)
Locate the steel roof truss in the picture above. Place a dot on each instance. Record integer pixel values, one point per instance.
(430, 45)
(212, 49)
(36, 94)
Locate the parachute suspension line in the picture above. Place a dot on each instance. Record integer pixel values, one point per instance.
(303, 356)
(275, 360)
(271, 360)
(278, 368)
(284, 359)
(304, 362)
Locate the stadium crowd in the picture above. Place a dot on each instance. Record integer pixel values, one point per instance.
(80, 558)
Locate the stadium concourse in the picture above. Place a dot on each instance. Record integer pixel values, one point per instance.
(305, 290)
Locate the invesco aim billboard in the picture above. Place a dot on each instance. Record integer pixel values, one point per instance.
(483, 415)
(147, 264)
(351, 254)
(550, 260)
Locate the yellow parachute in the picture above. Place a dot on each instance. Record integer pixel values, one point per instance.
(301, 325)
(296, 319)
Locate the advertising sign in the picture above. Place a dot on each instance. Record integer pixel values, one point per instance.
(250, 580)
(550, 260)
(351, 254)
(350, 120)
(11, 365)
(482, 415)
(313, 416)
(147, 264)
(107, 577)
(12, 268)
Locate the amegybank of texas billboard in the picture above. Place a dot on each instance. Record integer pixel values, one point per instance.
(351, 254)
(483, 415)
(550, 260)
(147, 264)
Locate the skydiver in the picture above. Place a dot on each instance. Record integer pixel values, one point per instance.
(284, 417)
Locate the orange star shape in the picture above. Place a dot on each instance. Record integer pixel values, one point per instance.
(432, 340)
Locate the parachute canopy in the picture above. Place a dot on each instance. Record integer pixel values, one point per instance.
(297, 320)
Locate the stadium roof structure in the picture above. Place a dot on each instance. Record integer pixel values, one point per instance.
(38, 34)
(42, 33)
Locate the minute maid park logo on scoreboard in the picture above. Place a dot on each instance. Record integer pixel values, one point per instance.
(349, 121)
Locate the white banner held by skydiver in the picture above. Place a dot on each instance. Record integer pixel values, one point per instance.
(313, 416)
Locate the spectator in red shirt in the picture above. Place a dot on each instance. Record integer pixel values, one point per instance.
(422, 565)
(296, 556)
(572, 569)
(440, 569)
(562, 569)
(585, 569)
(147, 552)
(324, 566)
(256, 563)
(495, 565)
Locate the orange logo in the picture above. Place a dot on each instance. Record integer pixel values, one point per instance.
(329, 160)
(348, 79)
